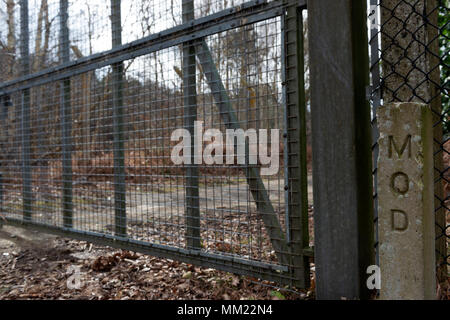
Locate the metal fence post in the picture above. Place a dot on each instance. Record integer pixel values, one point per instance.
(119, 153)
(343, 195)
(66, 119)
(190, 116)
(25, 113)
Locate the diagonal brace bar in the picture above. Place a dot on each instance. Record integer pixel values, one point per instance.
(254, 181)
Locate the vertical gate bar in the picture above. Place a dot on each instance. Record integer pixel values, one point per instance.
(342, 168)
(285, 133)
(190, 116)
(1, 194)
(4, 102)
(3, 105)
(297, 182)
(25, 114)
(66, 120)
(119, 153)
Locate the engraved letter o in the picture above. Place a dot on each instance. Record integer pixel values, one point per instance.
(400, 183)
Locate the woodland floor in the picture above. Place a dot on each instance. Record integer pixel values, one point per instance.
(36, 266)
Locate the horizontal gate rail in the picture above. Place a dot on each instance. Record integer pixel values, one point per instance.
(271, 272)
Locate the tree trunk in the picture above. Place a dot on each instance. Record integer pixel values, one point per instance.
(11, 39)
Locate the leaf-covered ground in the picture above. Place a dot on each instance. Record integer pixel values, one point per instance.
(47, 268)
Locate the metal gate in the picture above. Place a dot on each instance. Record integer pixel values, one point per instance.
(87, 131)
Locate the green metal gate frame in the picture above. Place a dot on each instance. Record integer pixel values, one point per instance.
(292, 247)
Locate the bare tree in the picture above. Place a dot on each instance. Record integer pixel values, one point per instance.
(10, 51)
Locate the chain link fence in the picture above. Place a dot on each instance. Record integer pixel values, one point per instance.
(410, 61)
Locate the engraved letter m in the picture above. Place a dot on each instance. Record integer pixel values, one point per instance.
(393, 145)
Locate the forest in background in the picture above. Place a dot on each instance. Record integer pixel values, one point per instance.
(248, 60)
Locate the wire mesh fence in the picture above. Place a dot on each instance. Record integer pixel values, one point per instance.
(410, 61)
(93, 96)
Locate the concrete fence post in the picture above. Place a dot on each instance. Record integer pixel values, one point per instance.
(406, 202)
(410, 71)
